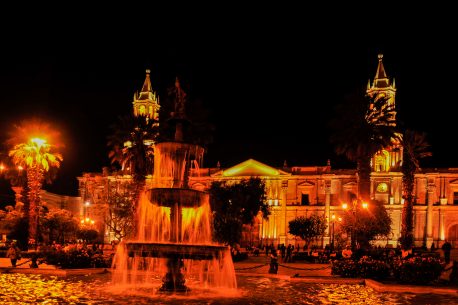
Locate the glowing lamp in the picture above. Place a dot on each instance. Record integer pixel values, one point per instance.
(38, 141)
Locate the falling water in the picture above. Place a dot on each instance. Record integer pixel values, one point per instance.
(174, 225)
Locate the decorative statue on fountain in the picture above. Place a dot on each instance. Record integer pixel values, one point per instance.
(174, 221)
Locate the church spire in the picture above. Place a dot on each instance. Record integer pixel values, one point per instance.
(146, 102)
(381, 79)
(147, 84)
(383, 87)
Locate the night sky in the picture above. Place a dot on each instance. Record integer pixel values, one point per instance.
(269, 80)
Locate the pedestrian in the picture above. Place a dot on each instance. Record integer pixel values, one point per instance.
(447, 247)
(273, 262)
(347, 253)
(289, 250)
(13, 253)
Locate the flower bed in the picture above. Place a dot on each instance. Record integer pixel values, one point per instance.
(416, 270)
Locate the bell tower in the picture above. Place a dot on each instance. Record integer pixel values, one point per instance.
(382, 87)
(146, 102)
(386, 177)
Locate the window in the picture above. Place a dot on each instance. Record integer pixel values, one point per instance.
(305, 199)
(455, 197)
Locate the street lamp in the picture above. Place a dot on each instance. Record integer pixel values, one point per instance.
(333, 220)
(86, 206)
(354, 207)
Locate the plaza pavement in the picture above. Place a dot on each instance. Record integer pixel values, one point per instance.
(253, 266)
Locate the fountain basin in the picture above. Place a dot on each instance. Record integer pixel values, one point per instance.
(174, 251)
(185, 197)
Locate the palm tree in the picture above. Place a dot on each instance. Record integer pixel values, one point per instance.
(360, 132)
(132, 147)
(415, 148)
(36, 155)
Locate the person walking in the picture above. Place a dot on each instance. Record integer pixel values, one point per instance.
(447, 247)
(13, 253)
(273, 262)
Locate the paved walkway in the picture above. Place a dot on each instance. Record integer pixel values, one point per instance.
(22, 263)
(253, 266)
(261, 265)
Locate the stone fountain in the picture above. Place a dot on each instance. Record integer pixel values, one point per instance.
(174, 236)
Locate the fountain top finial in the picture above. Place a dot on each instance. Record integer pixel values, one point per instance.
(180, 99)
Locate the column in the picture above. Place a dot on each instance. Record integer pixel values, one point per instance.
(327, 213)
(429, 214)
(283, 221)
(391, 195)
(441, 224)
(372, 192)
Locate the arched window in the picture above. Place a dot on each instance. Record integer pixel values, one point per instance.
(142, 110)
(382, 161)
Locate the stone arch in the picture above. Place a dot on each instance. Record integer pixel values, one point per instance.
(452, 234)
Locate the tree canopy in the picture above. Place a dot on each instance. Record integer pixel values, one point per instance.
(234, 205)
(367, 224)
(308, 228)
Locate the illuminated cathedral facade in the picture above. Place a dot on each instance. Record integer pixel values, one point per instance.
(305, 190)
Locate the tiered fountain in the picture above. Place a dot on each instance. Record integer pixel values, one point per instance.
(174, 237)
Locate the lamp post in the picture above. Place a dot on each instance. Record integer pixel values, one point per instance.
(354, 207)
(333, 220)
(86, 206)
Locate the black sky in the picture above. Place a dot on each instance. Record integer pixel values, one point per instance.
(269, 79)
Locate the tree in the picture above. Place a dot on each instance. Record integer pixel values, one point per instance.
(119, 216)
(234, 205)
(32, 150)
(12, 221)
(361, 130)
(415, 148)
(367, 224)
(60, 225)
(132, 146)
(308, 228)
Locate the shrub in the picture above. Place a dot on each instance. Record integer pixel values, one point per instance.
(366, 267)
(373, 269)
(417, 270)
(101, 261)
(345, 268)
(77, 258)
